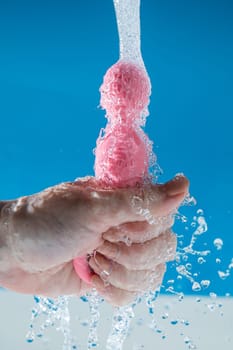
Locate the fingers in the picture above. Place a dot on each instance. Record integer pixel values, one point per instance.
(121, 272)
(138, 232)
(120, 277)
(115, 296)
(139, 256)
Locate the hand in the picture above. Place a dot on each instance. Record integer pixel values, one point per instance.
(41, 234)
(133, 256)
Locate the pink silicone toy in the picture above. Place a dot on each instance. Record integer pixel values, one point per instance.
(122, 154)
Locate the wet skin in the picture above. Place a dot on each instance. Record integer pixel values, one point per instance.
(40, 235)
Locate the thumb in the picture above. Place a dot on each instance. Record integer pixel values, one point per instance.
(156, 199)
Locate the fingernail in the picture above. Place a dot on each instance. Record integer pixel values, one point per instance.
(109, 250)
(96, 282)
(177, 186)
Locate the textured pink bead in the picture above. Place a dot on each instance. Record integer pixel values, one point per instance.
(126, 88)
(122, 157)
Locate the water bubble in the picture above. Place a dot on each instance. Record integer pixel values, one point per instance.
(218, 261)
(196, 287)
(218, 243)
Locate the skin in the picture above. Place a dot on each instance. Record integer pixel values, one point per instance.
(41, 234)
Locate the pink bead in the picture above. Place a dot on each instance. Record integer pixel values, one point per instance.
(121, 157)
(82, 269)
(126, 87)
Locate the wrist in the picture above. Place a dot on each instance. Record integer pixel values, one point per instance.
(5, 245)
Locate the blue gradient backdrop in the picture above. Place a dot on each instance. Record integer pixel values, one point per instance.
(53, 55)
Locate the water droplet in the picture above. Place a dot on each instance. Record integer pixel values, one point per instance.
(189, 200)
(188, 266)
(223, 275)
(84, 323)
(181, 297)
(127, 240)
(196, 287)
(170, 282)
(200, 212)
(205, 283)
(30, 336)
(185, 257)
(230, 266)
(174, 322)
(84, 298)
(202, 226)
(218, 243)
(213, 295)
(201, 260)
(36, 299)
(218, 261)
(211, 307)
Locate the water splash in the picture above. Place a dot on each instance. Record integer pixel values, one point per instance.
(49, 313)
(94, 303)
(120, 327)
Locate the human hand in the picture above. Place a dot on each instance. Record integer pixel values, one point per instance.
(46, 231)
(133, 256)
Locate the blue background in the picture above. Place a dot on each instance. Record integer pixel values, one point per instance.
(53, 55)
